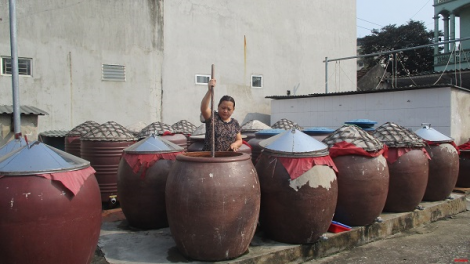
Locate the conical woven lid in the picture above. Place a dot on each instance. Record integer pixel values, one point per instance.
(295, 143)
(200, 130)
(286, 124)
(396, 136)
(354, 135)
(153, 144)
(157, 128)
(109, 131)
(254, 125)
(183, 127)
(430, 134)
(82, 129)
(38, 158)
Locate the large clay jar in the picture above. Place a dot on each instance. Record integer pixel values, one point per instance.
(464, 166)
(212, 204)
(142, 174)
(72, 138)
(443, 166)
(363, 175)
(298, 188)
(261, 135)
(103, 147)
(251, 127)
(49, 205)
(197, 144)
(408, 164)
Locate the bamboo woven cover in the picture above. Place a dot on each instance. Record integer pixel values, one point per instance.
(82, 129)
(286, 125)
(183, 127)
(157, 128)
(109, 131)
(397, 136)
(354, 135)
(254, 125)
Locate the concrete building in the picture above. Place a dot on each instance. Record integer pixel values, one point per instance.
(453, 55)
(445, 107)
(147, 61)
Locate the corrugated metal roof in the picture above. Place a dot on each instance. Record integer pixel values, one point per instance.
(24, 109)
(366, 92)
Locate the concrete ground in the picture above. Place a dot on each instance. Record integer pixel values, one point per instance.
(444, 241)
(426, 241)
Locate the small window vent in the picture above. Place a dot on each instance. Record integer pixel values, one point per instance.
(24, 66)
(256, 81)
(202, 79)
(116, 73)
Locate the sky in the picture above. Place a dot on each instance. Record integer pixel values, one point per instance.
(375, 14)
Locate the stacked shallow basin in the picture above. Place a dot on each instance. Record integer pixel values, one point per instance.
(408, 163)
(103, 147)
(251, 127)
(363, 175)
(443, 166)
(54, 138)
(464, 166)
(298, 187)
(366, 124)
(142, 175)
(212, 204)
(49, 206)
(72, 138)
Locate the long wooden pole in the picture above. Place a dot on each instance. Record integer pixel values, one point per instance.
(212, 114)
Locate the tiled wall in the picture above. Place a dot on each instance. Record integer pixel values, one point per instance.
(407, 108)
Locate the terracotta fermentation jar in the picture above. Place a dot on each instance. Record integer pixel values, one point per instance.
(443, 166)
(464, 166)
(72, 138)
(142, 174)
(49, 205)
(299, 189)
(198, 144)
(363, 175)
(408, 164)
(164, 131)
(103, 147)
(212, 204)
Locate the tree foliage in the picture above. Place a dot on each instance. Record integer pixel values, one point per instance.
(391, 38)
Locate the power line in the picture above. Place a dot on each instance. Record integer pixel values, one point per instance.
(421, 9)
(369, 22)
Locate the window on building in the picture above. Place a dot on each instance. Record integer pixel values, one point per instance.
(24, 66)
(113, 72)
(256, 81)
(202, 79)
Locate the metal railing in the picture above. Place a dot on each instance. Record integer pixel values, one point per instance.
(452, 58)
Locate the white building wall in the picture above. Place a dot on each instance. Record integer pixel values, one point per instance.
(286, 43)
(447, 109)
(163, 44)
(69, 42)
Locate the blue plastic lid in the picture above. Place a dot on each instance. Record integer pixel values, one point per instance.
(318, 130)
(361, 122)
(270, 132)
